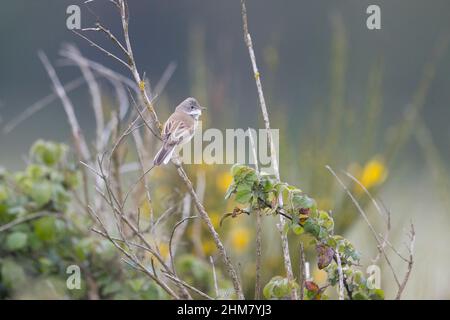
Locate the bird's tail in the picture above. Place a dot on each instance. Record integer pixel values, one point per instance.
(164, 155)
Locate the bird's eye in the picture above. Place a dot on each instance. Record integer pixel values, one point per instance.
(192, 107)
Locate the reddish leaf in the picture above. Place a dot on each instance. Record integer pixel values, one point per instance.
(324, 255)
(305, 211)
(311, 286)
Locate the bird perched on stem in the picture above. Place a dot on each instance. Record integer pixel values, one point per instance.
(178, 129)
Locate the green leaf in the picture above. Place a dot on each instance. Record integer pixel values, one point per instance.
(302, 201)
(268, 289)
(360, 296)
(281, 289)
(278, 287)
(47, 153)
(71, 179)
(41, 192)
(36, 171)
(45, 228)
(4, 194)
(243, 194)
(12, 273)
(235, 169)
(325, 220)
(312, 227)
(136, 284)
(83, 248)
(16, 241)
(322, 233)
(110, 288)
(377, 294)
(45, 265)
(298, 229)
(244, 174)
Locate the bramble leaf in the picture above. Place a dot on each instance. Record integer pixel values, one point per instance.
(325, 255)
(16, 241)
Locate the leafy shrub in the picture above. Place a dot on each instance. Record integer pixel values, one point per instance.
(264, 193)
(41, 235)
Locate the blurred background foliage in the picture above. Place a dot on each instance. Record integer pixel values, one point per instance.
(374, 104)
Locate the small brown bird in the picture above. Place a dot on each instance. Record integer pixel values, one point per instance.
(178, 129)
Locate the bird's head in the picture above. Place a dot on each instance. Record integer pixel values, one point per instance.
(191, 107)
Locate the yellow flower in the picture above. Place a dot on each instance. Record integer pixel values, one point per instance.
(208, 247)
(373, 173)
(240, 238)
(215, 219)
(223, 181)
(164, 250)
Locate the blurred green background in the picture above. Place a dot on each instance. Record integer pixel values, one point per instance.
(375, 103)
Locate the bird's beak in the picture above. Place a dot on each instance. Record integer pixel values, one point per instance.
(203, 108)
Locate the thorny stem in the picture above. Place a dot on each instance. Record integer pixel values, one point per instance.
(257, 75)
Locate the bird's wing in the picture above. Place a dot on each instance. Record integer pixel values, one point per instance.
(174, 130)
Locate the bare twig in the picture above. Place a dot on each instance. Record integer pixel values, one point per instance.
(381, 246)
(24, 219)
(204, 215)
(109, 54)
(380, 211)
(183, 283)
(131, 64)
(100, 27)
(372, 229)
(133, 258)
(68, 108)
(40, 104)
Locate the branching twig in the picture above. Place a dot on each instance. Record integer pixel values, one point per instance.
(381, 246)
(131, 64)
(172, 260)
(412, 239)
(179, 281)
(363, 214)
(185, 213)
